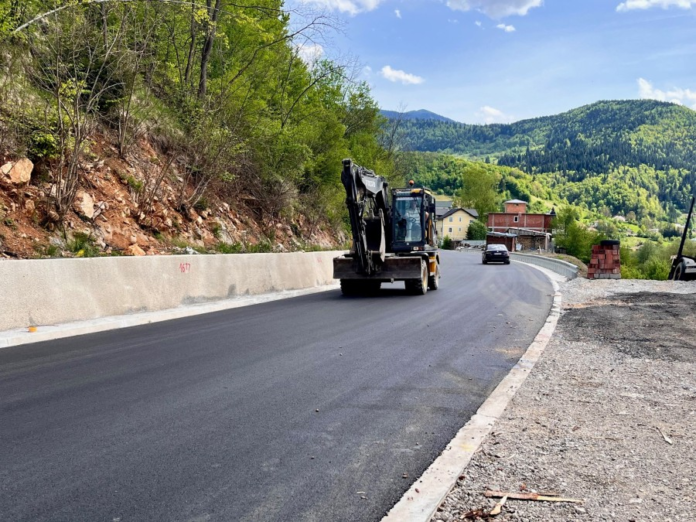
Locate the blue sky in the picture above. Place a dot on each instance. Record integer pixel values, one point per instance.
(497, 61)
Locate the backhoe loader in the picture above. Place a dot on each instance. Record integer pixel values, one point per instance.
(394, 235)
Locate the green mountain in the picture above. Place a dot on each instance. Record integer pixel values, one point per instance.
(420, 115)
(642, 124)
(611, 156)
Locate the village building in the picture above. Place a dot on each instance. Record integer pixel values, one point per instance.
(454, 223)
(530, 231)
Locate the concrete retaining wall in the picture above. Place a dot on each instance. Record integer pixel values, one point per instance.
(560, 267)
(55, 291)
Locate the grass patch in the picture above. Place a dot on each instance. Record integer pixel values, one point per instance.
(82, 245)
(229, 248)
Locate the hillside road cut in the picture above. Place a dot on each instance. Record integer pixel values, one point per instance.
(320, 407)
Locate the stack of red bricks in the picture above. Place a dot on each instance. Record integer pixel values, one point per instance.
(605, 262)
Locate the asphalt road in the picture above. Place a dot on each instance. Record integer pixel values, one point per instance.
(312, 408)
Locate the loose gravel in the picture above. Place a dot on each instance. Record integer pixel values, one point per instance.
(608, 415)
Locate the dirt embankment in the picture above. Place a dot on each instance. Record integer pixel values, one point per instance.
(607, 416)
(121, 207)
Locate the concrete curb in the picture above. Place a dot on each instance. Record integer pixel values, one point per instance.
(427, 493)
(22, 336)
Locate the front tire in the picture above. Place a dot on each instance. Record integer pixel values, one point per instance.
(434, 280)
(419, 286)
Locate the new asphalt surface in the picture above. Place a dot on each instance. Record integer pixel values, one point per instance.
(319, 408)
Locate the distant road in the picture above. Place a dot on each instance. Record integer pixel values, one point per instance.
(312, 408)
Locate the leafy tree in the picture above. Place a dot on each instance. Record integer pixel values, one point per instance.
(479, 190)
(572, 236)
(477, 231)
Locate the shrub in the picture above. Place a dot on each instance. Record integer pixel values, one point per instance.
(82, 245)
(477, 231)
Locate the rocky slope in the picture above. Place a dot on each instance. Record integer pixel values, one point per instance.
(108, 217)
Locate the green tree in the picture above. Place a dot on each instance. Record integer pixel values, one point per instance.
(571, 235)
(477, 231)
(479, 190)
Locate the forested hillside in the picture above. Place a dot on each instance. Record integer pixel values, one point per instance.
(611, 157)
(214, 101)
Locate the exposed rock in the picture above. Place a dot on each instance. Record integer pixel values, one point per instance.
(17, 173)
(30, 206)
(84, 204)
(134, 250)
(53, 216)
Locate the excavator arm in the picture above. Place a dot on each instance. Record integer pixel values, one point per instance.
(366, 199)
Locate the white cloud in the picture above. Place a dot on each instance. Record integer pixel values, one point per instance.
(630, 5)
(490, 115)
(394, 75)
(681, 96)
(310, 53)
(351, 7)
(452, 21)
(478, 24)
(506, 28)
(397, 13)
(496, 8)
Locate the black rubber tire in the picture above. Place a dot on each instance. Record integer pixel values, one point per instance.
(679, 272)
(350, 287)
(371, 287)
(434, 281)
(484, 262)
(419, 286)
(507, 262)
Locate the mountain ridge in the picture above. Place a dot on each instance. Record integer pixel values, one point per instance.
(420, 114)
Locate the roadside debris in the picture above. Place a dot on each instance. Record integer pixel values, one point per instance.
(498, 507)
(667, 439)
(475, 514)
(531, 496)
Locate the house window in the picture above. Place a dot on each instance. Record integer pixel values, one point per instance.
(460, 229)
(516, 219)
(450, 229)
(451, 219)
(460, 219)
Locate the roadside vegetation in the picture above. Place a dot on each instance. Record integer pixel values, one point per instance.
(238, 102)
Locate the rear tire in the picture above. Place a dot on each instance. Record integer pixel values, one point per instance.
(350, 287)
(434, 280)
(484, 262)
(507, 262)
(371, 287)
(359, 287)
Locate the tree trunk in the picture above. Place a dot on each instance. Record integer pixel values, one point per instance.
(192, 46)
(208, 47)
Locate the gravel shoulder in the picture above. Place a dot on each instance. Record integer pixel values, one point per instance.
(608, 415)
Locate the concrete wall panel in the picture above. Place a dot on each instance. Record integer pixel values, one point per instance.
(55, 291)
